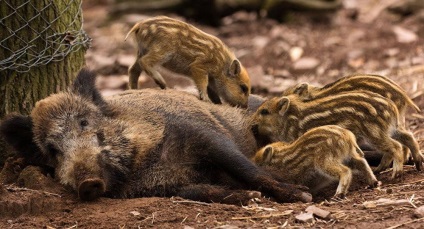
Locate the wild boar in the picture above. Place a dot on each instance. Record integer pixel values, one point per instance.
(367, 115)
(372, 83)
(317, 158)
(184, 49)
(147, 143)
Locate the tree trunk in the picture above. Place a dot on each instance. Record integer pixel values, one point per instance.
(20, 90)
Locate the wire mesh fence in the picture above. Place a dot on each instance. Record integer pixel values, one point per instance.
(34, 32)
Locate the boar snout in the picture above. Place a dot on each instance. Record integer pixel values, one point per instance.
(91, 189)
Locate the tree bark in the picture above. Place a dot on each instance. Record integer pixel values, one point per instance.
(20, 91)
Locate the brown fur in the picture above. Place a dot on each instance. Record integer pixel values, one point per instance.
(321, 155)
(184, 49)
(372, 83)
(367, 115)
(149, 143)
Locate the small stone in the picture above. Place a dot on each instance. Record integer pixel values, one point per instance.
(135, 213)
(419, 212)
(369, 204)
(318, 212)
(260, 42)
(404, 35)
(296, 53)
(305, 218)
(306, 63)
(226, 226)
(282, 73)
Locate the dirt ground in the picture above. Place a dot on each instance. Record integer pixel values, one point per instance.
(358, 38)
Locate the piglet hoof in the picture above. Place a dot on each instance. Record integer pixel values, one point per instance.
(203, 96)
(339, 197)
(375, 184)
(397, 175)
(419, 164)
(91, 189)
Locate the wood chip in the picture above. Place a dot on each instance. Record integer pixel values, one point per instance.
(384, 202)
(318, 212)
(305, 218)
(135, 213)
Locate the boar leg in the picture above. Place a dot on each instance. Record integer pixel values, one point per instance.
(148, 61)
(408, 140)
(217, 194)
(225, 154)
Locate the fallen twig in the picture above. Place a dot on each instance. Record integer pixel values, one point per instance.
(14, 189)
(403, 184)
(411, 201)
(74, 226)
(403, 224)
(288, 212)
(190, 202)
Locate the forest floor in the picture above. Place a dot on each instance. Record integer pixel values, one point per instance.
(276, 55)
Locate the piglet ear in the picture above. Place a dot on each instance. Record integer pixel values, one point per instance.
(235, 68)
(302, 89)
(85, 86)
(282, 105)
(16, 130)
(268, 154)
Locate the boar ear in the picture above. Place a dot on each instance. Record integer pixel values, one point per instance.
(16, 130)
(235, 68)
(268, 154)
(302, 89)
(282, 105)
(85, 85)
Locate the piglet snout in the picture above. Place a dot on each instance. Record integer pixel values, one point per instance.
(91, 189)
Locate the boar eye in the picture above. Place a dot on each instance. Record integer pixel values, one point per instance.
(53, 151)
(84, 123)
(264, 112)
(244, 89)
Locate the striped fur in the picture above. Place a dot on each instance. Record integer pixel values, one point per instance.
(321, 155)
(184, 49)
(373, 83)
(366, 114)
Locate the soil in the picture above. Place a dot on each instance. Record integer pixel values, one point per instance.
(347, 41)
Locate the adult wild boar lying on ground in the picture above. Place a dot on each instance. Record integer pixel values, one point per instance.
(146, 143)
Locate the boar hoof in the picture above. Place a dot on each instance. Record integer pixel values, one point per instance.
(306, 197)
(255, 194)
(91, 189)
